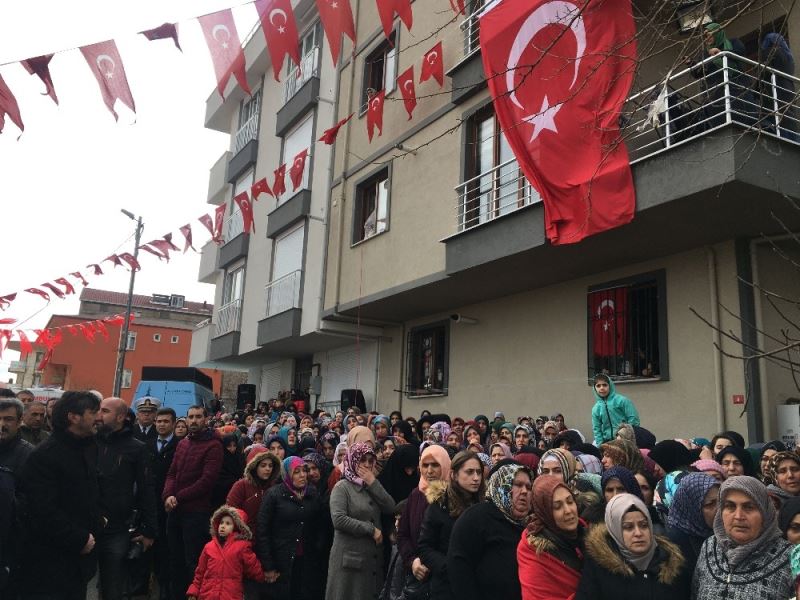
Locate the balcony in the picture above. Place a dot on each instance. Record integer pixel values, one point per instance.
(283, 312)
(17, 366)
(201, 341)
(467, 75)
(217, 183)
(246, 133)
(236, 242)
(207, 273)
(300, 93)
(224, 342)
(245, 143)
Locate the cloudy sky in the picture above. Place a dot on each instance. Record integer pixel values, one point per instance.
(65, 180)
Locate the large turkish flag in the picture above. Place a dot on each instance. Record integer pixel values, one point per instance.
(608, 309)
(559, 72)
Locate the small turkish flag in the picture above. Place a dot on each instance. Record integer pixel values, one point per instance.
(9, 106)
(38, 292)
(209, 224)
(154, 252)
(245, 206)
(608, 310)
(433, 65)
(104, 60)
(73, 329)
(298, 169)
(337, 19)
(131, 260)
(40, 66)
(280, 30)
(114, 258)
(219, 217)
(375, 114)
(161, 245)
(87, 330)
(260, 187)
(329, 135)
(46, 357)
(559, 76)
(7, 321)
(24, 343)
(225, 48)
(77, 275)
(5, 337)
(458, 6)
(68, 287)
(163, 32)
(405, 81)
(279, 184)
(167, 237)
(5, 301)
(54, 289)
(96, 267)
(186, 230)
(101, 327)
(388, 8)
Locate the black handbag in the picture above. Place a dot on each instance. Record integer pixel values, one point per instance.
(414, 589)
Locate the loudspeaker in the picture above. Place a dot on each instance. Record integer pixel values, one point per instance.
(245, 394)
(354, 398)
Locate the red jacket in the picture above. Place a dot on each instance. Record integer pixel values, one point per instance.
(542, 576)
(222, 568)
(248, 492)
(194, 471)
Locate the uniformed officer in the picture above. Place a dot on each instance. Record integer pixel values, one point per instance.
(146, 408)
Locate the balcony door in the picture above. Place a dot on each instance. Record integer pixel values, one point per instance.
(283, 291)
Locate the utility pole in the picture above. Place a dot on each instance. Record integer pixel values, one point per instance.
(123, 340)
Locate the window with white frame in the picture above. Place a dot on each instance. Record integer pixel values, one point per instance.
(127, 378)
(310, 43)
(177, 301)
(283, 291)
(297, 140)
(156, 337)
(233, 286)
(372, 206)
(174, 339)
(131, 345)
(380, 70)
(247, 128)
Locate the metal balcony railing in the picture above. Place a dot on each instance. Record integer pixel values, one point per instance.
(493, 193)
(470, 29)
(233, 226)
(309, 67)
(708, 96)
(229, 318)
(248, 131)
(284, 293)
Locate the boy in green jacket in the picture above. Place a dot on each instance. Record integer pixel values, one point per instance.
(610, 410)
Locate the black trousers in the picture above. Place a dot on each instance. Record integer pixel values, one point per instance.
(187, 533)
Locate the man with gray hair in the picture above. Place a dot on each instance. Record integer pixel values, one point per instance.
(14, 451)
(32, 428)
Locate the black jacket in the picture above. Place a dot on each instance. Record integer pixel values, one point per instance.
(60, 486)
(607, 576)
(14, 453)
(283, 522)
(141, 435)
(125, 466)
(434, 539)
(482, 556)
(161, 462)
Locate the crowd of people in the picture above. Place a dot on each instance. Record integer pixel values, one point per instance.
(267, 502)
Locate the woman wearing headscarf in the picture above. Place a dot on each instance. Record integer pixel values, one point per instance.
(404, 434)
(499, 451)
(558, 462)
(736, 461)
(619, 480)
(288, 544)
(231, 471)
(625, 560)
(400, 474)
(357, 434)
(357, 502)
(481, 558)
(789, 520)
(587, 463)
(381, 427)
(768, 450)
(691, 518)
(261, 472)
(746, 558)
(725, 439)
(550, 552)
(671, 456)
(709, 467)
(434, 466)
(482, 423)
(448, 499)
(289, 436)
(472, 435)
(622, 453)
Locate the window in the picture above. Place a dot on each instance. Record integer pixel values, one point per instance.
(380, 70)
(283, 291)
(627, 325)
(38, 360)
(127, 377)
(160, 299)
(428, 359)
(371, 207)
(234, 224)
(156, 337)
(176, 301)
(131, 345)
(174, 339)
(247, 128)
(297, 140)
(233, 286)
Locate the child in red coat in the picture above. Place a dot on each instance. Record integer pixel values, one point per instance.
(226, 560)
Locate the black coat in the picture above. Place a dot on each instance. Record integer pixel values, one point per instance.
(60, 486)
(161, 462)
(284, 521)
(482, 556)
(607, 576)
(434, 540)
(14, 453)
(142, 436)
(125, 465)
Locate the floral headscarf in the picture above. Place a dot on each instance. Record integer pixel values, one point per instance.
(354, 455)
(288, 468)
(565, 459)
(665, 491)
(686, 512)
(498, 491)
(438, 432)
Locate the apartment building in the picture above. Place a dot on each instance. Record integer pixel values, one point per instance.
(269, 283)
(436, 242)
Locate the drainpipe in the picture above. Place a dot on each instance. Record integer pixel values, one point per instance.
(716, 336)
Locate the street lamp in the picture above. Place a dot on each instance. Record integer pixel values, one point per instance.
(123, 340)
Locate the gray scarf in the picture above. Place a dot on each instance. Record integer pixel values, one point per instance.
(616, 509)
(753, 488)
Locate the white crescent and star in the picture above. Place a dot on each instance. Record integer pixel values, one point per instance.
(432, 56)
(106, 58)
(375, 103)
(218, 28)
(278, 11)
(608, 303)
(409, 86)
(553, 13)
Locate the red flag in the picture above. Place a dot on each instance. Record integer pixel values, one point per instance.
(433, 65)
(608, 309)
(39, 292)
(77, 275)
(101, 327)
(387, 10)
(337, 19)
(405, 81)
(72, 329)
(114, 258)
(297, 169)
(9, 106)
(54, 289)
(131, 260)
(24, 343)
(225, 48)
(57, 337)
(5, 301)
(375, 114)
(280, 30)
(167, 237)
(7, 321)
(559, 76)
(5, 337)
(186, 230)
(243, 202)
(163, 246)
(40, 66)
(163, 32)
(154, 252)
(96, 267)
(279, 185)
(68, 287)
(116, 319)
(219, 217)
(458, 6)
(46, 357)
(87, 330)
(42, 337)
(329, 135)
(260, 187)
(209, 224)
(105, 62)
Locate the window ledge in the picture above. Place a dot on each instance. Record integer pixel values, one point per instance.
(421, 396)
(639, 380)
(372, 237)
